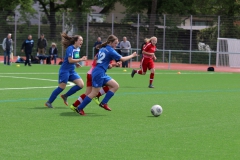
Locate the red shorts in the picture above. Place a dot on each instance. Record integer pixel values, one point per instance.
(89, 80)
(147, 63)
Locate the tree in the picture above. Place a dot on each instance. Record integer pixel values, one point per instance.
(75, 8)
(8, 9)
(152, 18)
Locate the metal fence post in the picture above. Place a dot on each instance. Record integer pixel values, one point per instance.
(169, 60)
(39, 21)
(112, 22)
(138, 35)
(209, 63)
(63, 17)
(164, 30)
(190, 55)
(217, 54)
(87, 35)
(15, 34)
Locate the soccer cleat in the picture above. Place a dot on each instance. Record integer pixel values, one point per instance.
(105, 106)
(133, 72)
(96, 100)
(150, 86)
(49, 105)
(64, 99)
(72, 107)
(81, 112)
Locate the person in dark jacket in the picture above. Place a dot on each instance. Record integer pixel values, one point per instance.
(28, 46)
(53, 52)
(41, 45)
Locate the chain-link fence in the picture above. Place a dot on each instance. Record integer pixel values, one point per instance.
(186, 35)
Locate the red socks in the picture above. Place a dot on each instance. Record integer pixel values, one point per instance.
(151, 78)
(79, 100)
(103, 90)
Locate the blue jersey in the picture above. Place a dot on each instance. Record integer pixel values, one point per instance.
(28, 45)
(105, 56)
(70, 52)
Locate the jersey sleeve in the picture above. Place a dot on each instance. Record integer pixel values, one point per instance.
(147, 47)
(69, 52)
(115, 55)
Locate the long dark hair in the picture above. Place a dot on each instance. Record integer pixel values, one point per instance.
(67, 40)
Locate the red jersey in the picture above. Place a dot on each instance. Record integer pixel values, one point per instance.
(149, 48)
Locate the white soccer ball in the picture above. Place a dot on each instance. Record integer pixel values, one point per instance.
(156, 110)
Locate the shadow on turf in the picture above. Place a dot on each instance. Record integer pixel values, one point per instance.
(75, 114)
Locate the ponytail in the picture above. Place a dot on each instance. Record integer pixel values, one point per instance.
(110, 38)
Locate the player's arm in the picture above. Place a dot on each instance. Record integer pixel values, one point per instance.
(147, 53)
(134, 54)
(71, 60)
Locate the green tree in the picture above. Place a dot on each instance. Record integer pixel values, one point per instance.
(8, 8)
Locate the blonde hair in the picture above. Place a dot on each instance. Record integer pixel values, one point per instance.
(67, 40)
(149, 39)
(111, 38)
(54, 44)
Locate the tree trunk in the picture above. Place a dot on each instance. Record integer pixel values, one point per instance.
(152, 18)
(52, 21)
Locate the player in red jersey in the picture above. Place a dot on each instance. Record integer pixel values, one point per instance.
(147, 61)
(102, 91)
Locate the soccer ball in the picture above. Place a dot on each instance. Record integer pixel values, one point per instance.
(156, 110)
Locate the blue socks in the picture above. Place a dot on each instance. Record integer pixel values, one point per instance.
(72, 90)
(54, 94)
(84, 103)
(107, 97)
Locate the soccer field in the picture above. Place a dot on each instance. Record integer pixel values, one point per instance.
(200, 118)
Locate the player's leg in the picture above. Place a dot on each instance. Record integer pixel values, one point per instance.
(152, 70)
(75, 78)
(102, 91)
(113, 87)
(81, 97)
(143, 69)
(5, 57)
(54, 94)
(87, 100)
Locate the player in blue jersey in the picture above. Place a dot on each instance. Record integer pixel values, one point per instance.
(67, 69)
(99, 76)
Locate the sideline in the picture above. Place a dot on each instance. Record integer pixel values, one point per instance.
(42, 87)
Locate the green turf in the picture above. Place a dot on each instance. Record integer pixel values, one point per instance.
(200, 117)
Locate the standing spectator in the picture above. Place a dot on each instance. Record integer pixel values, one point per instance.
(7, 46)
(28, 46)
(148, 60)
(125, 46)
(96, 49)
(41, 45)
(53, 52)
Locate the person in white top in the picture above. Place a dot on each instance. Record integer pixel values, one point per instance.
(125, 47)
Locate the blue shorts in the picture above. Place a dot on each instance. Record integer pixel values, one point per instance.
(99, 78)
(65, 76)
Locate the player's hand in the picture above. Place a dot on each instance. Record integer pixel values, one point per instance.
(134, 54)
(78, 65)
(154, 57)
(118, 64)
(110, 66)
(84, 58)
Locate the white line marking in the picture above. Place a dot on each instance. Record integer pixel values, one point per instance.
(68, 84)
